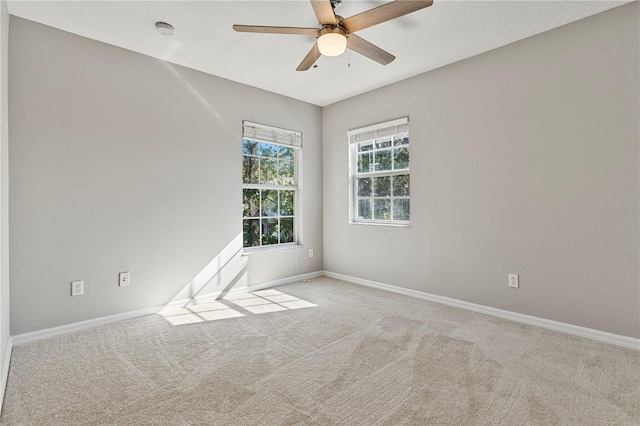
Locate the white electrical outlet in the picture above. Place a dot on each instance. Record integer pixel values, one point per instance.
(310, 252)
(77, 288)
(513, 281)
(124, 279)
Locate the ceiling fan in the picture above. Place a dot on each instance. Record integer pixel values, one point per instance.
(337, 33)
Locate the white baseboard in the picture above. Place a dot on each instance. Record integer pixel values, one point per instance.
(575, 330)
(33, 336)
(601, 336)
(47, 333)
(256, 287)
(6, 361)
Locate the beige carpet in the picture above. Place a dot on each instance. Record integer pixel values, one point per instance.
(322, 353)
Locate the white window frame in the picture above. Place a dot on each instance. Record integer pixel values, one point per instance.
(283, 137)
(368, 134)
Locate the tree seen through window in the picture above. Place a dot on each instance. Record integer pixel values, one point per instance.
(268, 193)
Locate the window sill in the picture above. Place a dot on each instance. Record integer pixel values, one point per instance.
(247, 251)
(393, 225)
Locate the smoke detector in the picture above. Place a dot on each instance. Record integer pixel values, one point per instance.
(164, 28)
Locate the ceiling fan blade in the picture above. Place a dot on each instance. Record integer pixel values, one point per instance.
(310, 59)
(324, 12)
(371, 51)
(383, 13)
(275, 30)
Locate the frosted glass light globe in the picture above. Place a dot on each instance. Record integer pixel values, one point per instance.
(332, 44)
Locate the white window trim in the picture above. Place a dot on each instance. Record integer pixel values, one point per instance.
(263, 133)
(284, 137)
(376, 127)
(378, 131)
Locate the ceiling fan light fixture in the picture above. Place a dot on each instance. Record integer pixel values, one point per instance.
(332, 41)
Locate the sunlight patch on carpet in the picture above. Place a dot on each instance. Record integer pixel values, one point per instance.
(263, 309)
(265, 301)
(257, 302)
(183, 319)
(196, 313)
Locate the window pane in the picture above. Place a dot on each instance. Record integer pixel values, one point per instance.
(268, 171)
(364, 209)
(250, 169)
(364, 187)
(401, 209)
(382, 209)
(364, 162)
(250, 147)
(285, 152)
(383, 160)
(269, 150)
(269, 231)
(286, 203)
(286, 172)
(269, 202)
(383, 143)
(401, 158)
(379, 173)
(382, 186)
(251, 232)
(365, 146)
(400, 140)
(401, 186)
(286, 230)
(269, 193)
(250, 203)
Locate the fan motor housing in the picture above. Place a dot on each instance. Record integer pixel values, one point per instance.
(332, 29)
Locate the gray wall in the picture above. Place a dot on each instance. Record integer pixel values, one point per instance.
(4, 196)
(121, 162)
(517, 155)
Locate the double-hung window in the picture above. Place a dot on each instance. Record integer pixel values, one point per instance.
(379, 173)
(270, 162)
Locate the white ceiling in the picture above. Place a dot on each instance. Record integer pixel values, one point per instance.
(444, 33)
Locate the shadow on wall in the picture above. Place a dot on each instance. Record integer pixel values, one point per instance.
(205, 103)
(207, 297)
(224, 272)
(228, 268)
(221, 289)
